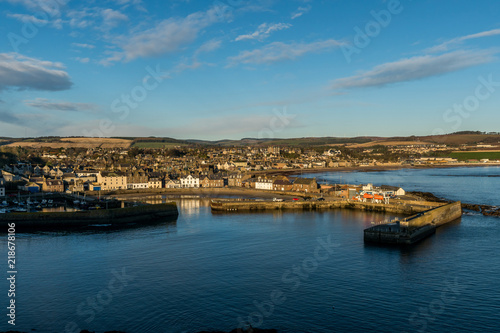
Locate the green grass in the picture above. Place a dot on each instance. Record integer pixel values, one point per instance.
(154, 144)
(475, 155)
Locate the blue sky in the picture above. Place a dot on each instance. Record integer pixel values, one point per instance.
(229, 69)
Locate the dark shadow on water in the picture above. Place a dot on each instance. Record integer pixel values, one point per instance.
(169, 225)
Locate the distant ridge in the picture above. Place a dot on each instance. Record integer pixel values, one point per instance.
(452, 139)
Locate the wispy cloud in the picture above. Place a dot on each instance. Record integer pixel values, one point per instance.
(194, 63)
(103, 19)
(209, 46)
(168, 36)
(279, 51)
(21, 72)
(26, 18)
(300, 11)
(84, 46)
(53, 8)
(50, 105)
(111, 18)
(415, 68)
(459, 40)
(263, 31)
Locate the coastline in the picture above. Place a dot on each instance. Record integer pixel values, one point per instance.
(371, 168)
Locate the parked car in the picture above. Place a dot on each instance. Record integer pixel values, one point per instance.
(321, 199)
(295, 199)
(278, 199)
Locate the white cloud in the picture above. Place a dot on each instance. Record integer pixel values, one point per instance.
(300, 11)
(52, 8)
(18, 71)
(209, 46)
(49, 105)
(168, 36)
(456, 41)
(39, 22)
(263, 31)
(111, 18)
(99, 18)
(415, 68)
(279, 51)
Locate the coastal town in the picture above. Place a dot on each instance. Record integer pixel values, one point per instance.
(269, 168)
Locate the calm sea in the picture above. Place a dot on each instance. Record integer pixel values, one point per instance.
(296, 272)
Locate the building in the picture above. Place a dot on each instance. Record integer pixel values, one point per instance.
(264, 184)
(282, 185)
(53, 185)
(171, 183)
(137, 180)
(212, 181)
(112, 181)
(307, 185)
(155, 183)
(31, 187)
(190, 181)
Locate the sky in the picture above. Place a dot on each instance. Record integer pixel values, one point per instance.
(231, 69)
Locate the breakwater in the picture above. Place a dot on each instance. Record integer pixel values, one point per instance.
(407, 208)
(414, 228)
(143, 214)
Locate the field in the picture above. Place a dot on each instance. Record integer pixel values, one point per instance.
(75, 143)
(389, 143)
(155, 144)
(476, 155)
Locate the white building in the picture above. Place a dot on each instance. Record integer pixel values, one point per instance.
(400, 191)
(155, 183)
(190, 181)
(135, 186)
(264, 184)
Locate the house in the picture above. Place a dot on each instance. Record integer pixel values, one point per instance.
(234, 180)
(400, 192)
(190, 181)
(212, 181)
(76, 185)
(30, 187)
(264, 184)
(2, 186)
(155, 182)
(170, 183)
(112, 181)
(53, 185)
(137, 180)
(307, 185)
(282, 185)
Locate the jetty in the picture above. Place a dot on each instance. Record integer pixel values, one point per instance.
(423, 216)
(406, 207)
(414, 228)
(115, 217)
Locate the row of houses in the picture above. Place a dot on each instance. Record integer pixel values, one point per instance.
(2, 186)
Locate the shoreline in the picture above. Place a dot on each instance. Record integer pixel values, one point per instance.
(371, 168)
